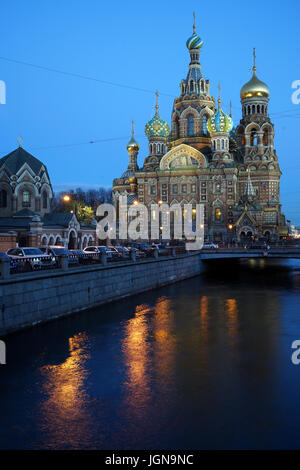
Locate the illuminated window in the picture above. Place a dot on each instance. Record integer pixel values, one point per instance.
(218, 214)
(26, 199)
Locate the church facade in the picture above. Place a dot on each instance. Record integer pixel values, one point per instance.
(233, 171)
(26, 216)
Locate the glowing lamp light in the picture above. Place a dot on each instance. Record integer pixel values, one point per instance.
(66, 198)
(230, 226)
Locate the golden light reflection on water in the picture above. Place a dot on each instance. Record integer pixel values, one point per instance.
(165, 339)
(148, 349)
(204, 315)
(232, 317)
(136, 351)
(64, 386)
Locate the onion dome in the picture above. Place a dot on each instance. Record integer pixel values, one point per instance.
(157, 127)
(219, 121)
(132, 179)
(132, 145)
(194, 42)
(255, 87)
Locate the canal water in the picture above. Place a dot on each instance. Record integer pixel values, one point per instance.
(202, 364)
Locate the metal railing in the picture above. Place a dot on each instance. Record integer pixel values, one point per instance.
(11, 266)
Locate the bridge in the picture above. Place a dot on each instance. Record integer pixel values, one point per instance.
(239, 253)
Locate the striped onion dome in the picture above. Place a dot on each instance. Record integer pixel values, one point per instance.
(194, 42)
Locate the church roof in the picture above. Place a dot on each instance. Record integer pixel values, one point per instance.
(16, 159)
(25, 213)
(61, 219)
(9, 223)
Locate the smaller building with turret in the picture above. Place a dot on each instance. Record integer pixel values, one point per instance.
(26, 214)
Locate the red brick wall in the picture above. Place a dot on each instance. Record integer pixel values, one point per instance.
(7, 240)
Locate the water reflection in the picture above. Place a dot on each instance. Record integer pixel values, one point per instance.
(63, 408)
(204, 363)
(232, 318)
(136, 349)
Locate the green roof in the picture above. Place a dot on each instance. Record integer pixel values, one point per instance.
(16, 159)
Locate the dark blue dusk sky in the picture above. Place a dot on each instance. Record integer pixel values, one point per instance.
(142, 45)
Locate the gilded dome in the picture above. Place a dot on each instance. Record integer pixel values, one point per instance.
(219, 122)
(132, 145)
(132, 179)
(255, 88)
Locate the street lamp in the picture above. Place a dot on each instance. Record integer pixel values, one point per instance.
(67, 198)
(230, 227)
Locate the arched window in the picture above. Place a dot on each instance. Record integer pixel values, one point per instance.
(253, 138)
(3, 198)
(191, 85)
(223, 146)
(249, 109)
(176, 127)
(154, 148)
(204, 124)
(26, 198)
(266, 137)
(190, 125)
(45, 199)
(258, 109)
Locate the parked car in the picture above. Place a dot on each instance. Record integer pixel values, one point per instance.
(14, 265)
(54, 251)
(97, 250)
(31, 258)
(209, 245)
(138, 253)
(123, 252)
(83, 258)
(143, 247)
(221, 245)
(162, 249)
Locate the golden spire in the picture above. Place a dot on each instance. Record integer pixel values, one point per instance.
(132, 128)
(254, 60)
(156, 105)
(194, 24)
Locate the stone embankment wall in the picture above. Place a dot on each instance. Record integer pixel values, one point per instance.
(32, 298)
